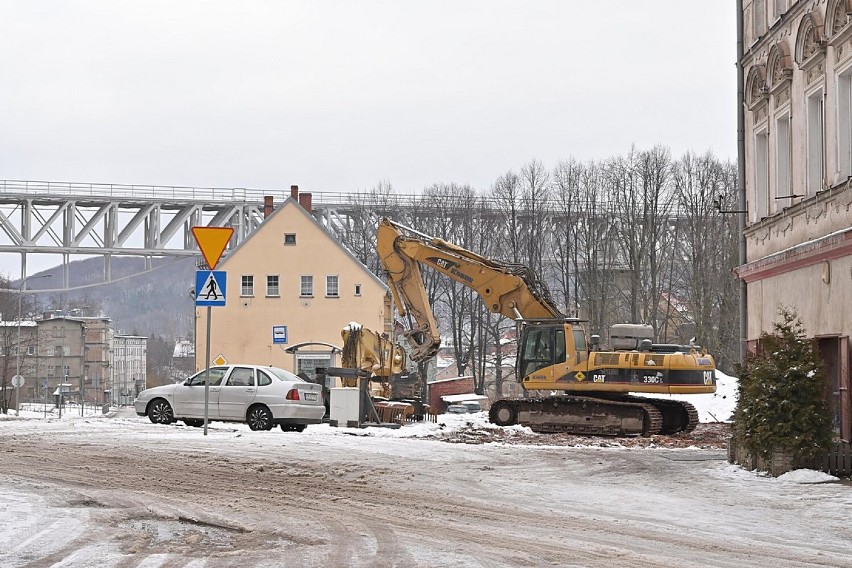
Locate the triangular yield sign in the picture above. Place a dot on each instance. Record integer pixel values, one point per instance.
(212, 242)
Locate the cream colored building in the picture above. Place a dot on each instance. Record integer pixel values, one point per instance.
(129, 367)
(798, 141)
(291, 273)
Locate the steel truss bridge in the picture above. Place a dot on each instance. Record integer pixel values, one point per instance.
(68, 220)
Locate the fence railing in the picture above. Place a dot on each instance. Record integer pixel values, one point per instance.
(837, 461)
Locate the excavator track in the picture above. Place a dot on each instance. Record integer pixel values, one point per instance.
(581, 415)
(678, 416)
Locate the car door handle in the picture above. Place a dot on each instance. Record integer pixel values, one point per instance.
(250, 390)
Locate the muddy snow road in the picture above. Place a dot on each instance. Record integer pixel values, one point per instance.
(119, 491)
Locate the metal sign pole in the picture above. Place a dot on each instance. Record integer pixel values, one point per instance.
(207, 372)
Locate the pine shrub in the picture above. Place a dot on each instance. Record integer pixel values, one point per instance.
(781, 403)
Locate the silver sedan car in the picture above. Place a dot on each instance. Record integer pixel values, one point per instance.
(259, 396)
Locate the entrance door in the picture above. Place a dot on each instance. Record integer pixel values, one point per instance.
(308, 363)
(829, 352)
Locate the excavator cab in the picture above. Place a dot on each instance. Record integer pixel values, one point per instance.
(549, 348)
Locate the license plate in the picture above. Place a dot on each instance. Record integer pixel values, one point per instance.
(310, 396)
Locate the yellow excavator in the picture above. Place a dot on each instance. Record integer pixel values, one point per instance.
(395, 393)
(593, 385)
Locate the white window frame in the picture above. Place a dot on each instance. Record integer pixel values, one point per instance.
(246, 285)
(815, 107)
(357, 289)
(783, 159)
(332, 286)
(844, 124)
(306, 286)
(758, 11)
(273, 290)
(761, 172)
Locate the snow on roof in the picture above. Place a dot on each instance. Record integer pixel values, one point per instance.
(451, 398)
(451, 379)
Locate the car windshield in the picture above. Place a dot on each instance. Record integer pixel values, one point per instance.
(284, 375)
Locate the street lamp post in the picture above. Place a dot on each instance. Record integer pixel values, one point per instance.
(22, 287)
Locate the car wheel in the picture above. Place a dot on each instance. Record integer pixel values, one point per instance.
(293, 427)
(259, 418)
(160, 412)
(195, 423)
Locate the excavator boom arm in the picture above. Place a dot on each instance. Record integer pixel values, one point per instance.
(507, 289)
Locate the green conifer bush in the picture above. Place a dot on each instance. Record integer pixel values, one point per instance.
(781, 403)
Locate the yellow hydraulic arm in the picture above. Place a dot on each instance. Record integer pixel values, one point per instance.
(369, 351)
(508, 289)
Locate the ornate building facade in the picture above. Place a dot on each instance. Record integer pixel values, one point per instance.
(797, 65)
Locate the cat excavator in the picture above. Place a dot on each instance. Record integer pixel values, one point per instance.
(395, 392)
(588, 388)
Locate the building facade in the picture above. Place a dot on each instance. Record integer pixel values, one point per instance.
(74, 351)
(128, 368)
(291, 288)
(797, 65)
(80, 356)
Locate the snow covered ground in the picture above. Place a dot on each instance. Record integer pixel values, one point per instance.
(116, 490)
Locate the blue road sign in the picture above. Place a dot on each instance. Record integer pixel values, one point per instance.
(279, 334)
(210, 286)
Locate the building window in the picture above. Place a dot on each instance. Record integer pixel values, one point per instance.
(357, 289)
(50, 370)
(759, 18)
(783, 159)
(332, 286)
(816, 151)
(31, 350)
(844, 124)
(272, 285)
(306, 286)
(247, 285)
(761, 173)
(66, 371)
(780, 7)
(290, 239)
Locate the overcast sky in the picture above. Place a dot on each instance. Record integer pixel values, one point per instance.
(339, 95)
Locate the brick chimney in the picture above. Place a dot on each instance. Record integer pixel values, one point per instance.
(267, 206)
(305, 201)
(294, 192)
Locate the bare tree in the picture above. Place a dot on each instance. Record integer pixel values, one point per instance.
(17, 348)
(642, 195)
(359, 235)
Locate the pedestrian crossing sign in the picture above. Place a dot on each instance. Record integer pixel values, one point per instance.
(210, 286)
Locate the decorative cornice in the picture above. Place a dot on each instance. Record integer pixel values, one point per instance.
(813, 252)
